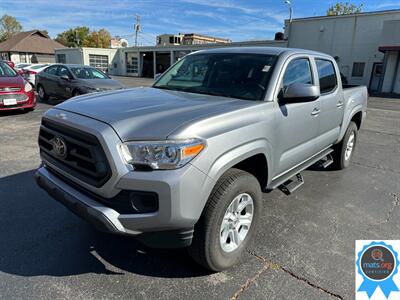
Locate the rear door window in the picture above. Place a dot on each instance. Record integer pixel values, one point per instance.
(326, 75)
(52, 70)
(64, 71)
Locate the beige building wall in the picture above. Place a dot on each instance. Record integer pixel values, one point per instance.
(351, 38)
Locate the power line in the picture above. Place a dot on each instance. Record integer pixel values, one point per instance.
(146, 39)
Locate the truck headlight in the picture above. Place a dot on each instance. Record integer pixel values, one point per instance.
(161, 155)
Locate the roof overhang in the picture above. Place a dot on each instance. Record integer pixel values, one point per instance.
(389, 48)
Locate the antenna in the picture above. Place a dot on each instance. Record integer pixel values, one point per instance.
(137, 28)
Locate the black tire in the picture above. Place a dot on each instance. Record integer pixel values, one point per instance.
(76, 93)
(341, 160)
(206, 247)
(42, 93)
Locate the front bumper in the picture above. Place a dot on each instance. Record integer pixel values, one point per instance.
(181, 193)
(102, 217)
(170, 227)
(30, 102)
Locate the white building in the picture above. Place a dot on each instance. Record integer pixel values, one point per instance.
(358, 43)
(366, 47)
(100, 58)
(390, 46)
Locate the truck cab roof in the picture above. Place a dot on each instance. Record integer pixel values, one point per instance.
(262, 50)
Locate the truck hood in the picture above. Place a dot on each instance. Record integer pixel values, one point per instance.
(150, 113)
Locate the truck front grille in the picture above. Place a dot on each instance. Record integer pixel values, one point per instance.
(74, 152)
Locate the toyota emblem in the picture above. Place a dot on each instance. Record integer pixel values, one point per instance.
(59, 147)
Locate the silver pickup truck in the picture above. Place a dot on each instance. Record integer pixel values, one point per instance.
(183, 163)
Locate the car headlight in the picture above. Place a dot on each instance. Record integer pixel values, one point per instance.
(27, 87)
(161, 155)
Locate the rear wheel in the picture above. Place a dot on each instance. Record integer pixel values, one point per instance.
(228, 222)
(42, 94)
(343, 152)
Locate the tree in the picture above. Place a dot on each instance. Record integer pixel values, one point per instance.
(8, 27)
(104, 38)
(44, 31)
(344, 8)
(83, 37)
(73, 37)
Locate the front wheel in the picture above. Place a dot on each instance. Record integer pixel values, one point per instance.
(42, 94)
(76, 93)
(343, 152)
(228, 222)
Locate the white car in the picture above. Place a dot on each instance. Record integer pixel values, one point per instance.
(21, 66)
(29, 72)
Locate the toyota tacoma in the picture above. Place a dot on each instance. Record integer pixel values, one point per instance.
(184, 163)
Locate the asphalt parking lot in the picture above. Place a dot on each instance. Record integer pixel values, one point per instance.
(304, 248)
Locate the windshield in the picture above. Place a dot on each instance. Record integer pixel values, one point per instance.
(236, 75)
(88, 73)
(6, 70)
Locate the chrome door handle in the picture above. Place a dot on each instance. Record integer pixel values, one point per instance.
(339, 104)
(315, 111)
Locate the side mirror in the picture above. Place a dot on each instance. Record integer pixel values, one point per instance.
(300, 92)
(157, 76)
(65, 77)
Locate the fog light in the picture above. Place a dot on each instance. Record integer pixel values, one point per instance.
(143, 202)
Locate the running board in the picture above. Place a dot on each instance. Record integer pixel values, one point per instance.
(285, 177)
(327, 161)
(292, 184)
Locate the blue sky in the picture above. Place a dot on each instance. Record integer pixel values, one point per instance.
(234, 19)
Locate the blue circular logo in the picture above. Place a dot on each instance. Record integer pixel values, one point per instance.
(377, 263)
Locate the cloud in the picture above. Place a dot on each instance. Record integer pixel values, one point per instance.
(226, 18)
(384, 5)
(207, 14)
(221, 4)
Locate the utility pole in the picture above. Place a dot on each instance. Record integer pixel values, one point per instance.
(77, 39)
(137, 28)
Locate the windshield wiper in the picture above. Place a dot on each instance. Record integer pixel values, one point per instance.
(170, 88)
(189, 90)
(164, 87)
(212, 93)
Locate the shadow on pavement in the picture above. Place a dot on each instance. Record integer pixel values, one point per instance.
(40, 237)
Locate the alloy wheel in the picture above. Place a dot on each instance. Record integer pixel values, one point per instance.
(236, 222)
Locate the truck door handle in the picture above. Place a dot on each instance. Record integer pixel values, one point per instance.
(315, 111)
(339, 104)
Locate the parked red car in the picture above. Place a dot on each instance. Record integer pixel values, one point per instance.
(10, 63)
(15, 91)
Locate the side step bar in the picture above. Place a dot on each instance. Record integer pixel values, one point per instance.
(291, 185)
(282, 180)
(327, 161)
